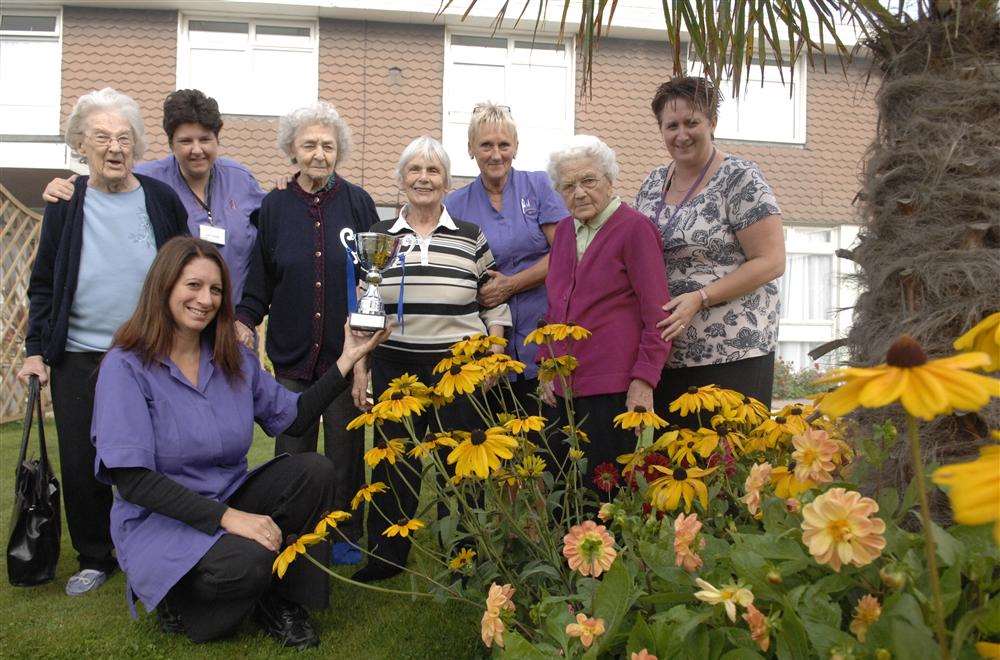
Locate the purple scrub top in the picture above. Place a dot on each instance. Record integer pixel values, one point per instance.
(151, 416)
(235, 195)
(517, 242)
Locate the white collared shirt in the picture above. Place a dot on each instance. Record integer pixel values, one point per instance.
(423, 242)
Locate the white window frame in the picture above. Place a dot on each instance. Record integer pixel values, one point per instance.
(56, 35)
(225, 105)
(460, 165)
(798, 97)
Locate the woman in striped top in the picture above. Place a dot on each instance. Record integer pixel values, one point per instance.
(444, 273)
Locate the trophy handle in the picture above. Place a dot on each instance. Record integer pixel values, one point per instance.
(347, 234)
(409, 242)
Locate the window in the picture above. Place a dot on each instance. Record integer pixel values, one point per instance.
(809, 293)
(30, 72)
(535, 79)
(769, 108)
(251, 67)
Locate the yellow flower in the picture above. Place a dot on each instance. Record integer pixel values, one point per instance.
(366, 492)
(460, 379)
(575, 454)
(330, 520)
(500, 364)
(985, 338)
(728, 399)
(449, 362)
(838, 527)
(814, 456)
(729, 596)
(477, 343)
(760, 629)
(589, 548)
(866, 613)
(695, 400)
(688, 446)
(405, 384)
(481, 452)
(519, 426)
(431, 441)
(404, 527)
(573, 331)
(540, 335)
(665, 492)
(367, 419)
(439, 400)
(925, 388)
(666, 438)
(641, 418)
(748, 411)
(422, 449)
(586, 629)
(795, 417)
(549, 368)
(988, 650)
(632, 461)
(974, 489)
(786, 485)
(531, 466)
(293, 550)
(399, 405)
(581, 435)
(383, 450)
(774, 430)
(463, 558)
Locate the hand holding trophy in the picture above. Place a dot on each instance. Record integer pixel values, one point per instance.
(374, 253)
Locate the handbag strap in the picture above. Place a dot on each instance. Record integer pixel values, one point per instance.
(34, 405)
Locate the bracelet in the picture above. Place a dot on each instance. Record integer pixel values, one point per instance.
(704, 298)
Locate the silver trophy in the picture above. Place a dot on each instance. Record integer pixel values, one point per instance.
(374, 253)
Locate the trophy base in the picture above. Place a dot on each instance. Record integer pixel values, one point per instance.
(367, 322)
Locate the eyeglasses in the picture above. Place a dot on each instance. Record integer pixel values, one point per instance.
(587, 183)
(105, 140)
(481, 107)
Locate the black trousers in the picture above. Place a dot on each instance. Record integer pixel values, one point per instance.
(87, 501)
(403, 482)
(753, 377)
(344, 448)
(221, 589)
(597, 413)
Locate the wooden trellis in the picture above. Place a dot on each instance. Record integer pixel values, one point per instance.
(19, 230)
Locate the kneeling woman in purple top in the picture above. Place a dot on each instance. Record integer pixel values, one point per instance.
(604, 276)
(177, 396)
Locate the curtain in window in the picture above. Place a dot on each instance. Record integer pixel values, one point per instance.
(807, 287)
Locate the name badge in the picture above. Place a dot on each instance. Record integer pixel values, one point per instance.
(212, 234)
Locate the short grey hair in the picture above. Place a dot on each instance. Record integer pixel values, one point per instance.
(584, 146)
(489, 113)
(320, 113)
(106, 100)
(428, 148)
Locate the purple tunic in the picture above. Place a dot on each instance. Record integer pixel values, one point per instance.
(517, 242)
(151, 416)
(235, 195)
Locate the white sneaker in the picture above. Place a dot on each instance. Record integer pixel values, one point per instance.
(86, 580)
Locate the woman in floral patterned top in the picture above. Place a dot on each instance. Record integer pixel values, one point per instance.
(723, 248)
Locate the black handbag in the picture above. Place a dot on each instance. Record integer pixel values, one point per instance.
(35, 527)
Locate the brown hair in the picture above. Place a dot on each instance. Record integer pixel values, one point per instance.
(190, 106)
(699, 93)
(150, 330)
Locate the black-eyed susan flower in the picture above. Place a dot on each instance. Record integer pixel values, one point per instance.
(786, 484)
(750, 411)
(796, 417)
(330, 520)
(666, 491)
(581, 435)
(639, 417)
(449, 362)
(540, 335)
(549, 368)
(925, 388)
(460, 379)
(728, 399)
(666, 438)
(731, 438)
(384, 450)
(774, 431)
(562, 331)
(518, 426)
(633, 460)
(403, 527)
(366, 419)
(406, 384)
(974, 489)
(366, 492)
(293, 550)
(531, 467)
(575, 454)
(462, 559)
(481, 452)
(476, 344)
(439, 400)
(500, 364)
(686, 449)
(422, 449)
(399, 405)
(983, 337)
(695, 400)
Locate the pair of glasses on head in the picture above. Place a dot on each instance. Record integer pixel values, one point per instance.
(482, 107)
(587, 183)
(105, 140)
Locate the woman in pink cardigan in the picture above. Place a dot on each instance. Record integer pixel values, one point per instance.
(605, 274)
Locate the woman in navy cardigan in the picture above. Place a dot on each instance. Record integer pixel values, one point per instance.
(93, 254)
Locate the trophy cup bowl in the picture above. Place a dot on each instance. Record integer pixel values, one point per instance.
(374, 253)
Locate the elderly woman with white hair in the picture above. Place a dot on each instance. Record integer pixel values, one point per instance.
(606, 275)
(298, 279)
(93, 254)
(445, 273)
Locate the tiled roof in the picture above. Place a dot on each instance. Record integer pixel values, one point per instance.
(815, 183)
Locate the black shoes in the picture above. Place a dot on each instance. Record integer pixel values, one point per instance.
(375, 571)
(286, 622)
(170, 621)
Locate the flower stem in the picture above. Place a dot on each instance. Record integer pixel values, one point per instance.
(929, 547)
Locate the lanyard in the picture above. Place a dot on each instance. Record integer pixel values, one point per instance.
(669, 226)
(208, 192)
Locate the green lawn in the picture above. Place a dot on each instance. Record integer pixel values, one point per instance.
(42, 622)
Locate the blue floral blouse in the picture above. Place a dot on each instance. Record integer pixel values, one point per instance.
(702, 247)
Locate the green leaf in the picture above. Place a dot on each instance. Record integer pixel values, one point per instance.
(948, 549)
(741, 654)
(612, 600)
(888, 503)
(964, 626)
(909, 641)
(517, 647)
(990, 623)
(641, 637)
(951, 589)
(792, 643)
(554, 616)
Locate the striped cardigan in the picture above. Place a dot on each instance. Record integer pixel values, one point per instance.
(443, 275)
